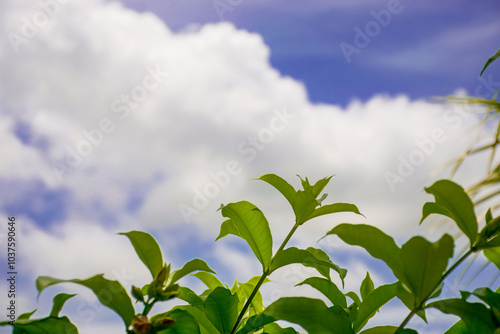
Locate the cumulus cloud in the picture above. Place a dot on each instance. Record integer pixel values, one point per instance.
(143, 128)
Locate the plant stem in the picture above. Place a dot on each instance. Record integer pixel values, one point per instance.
(147, 307)
(261, 280)
(421, 304)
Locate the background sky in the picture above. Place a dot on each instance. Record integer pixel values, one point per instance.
(148, 115)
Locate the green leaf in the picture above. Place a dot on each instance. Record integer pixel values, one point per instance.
(475, 315)
(26, 315)
(210, 280)
(388, 330)
(256, 322)
(309, 257)
(189, 296)
(274, 328)
(373, 302)
(488, 217)
(452, 201)
(459, 328)
(493, 255)
(281, 185)
(185, 323)
(354, 297)
(325, 270)
(189, 267)
(45, 326)
(110, 293)
(491, 298)
(304, 202)
(147, 249)
(311, 314)
(200, 317)
(374, 241)
(156, 287)
(58, 304)
(492, 243)
(490, 60)
(137, 293)
(366, 286)
(244, 290)
(328, 289)
(303, 206)
(221, 308)
(319, 186)
(227, 227)
(425, 263)
(334, 208)
(253, 227)
(408, 299)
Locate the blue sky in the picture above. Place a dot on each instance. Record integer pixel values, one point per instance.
(424, 49)
(148, 115)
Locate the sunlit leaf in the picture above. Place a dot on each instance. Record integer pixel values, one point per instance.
(475, 315)
(210, 280)
(354, 297)
(459, 328)
(221, 308)
(424, 264)
(253, 227)
(281, 185)
(147, 249)
(334, 208)
(311, 314)
(110, 293)
(185, 323)
(366, 286)
(245, 290)
(274, 328)
(452, 201)
(47, 325)
(199, 315)
(373, 302)
(59, 301)
(374, 241)
(255, 322)
(189, 267)
(189, 296)
(303, 206)
(319, 186)
(328, 289)
(305, 257)
(388, 330)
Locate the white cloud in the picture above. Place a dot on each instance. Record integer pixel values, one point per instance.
(215, 121)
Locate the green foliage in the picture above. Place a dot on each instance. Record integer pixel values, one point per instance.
(490, 60)
(308, 257)
(110, 293)
(51, 324)
(147, 249)
(452, 201)
(419, 266)
(249, 223)
(311, 314)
